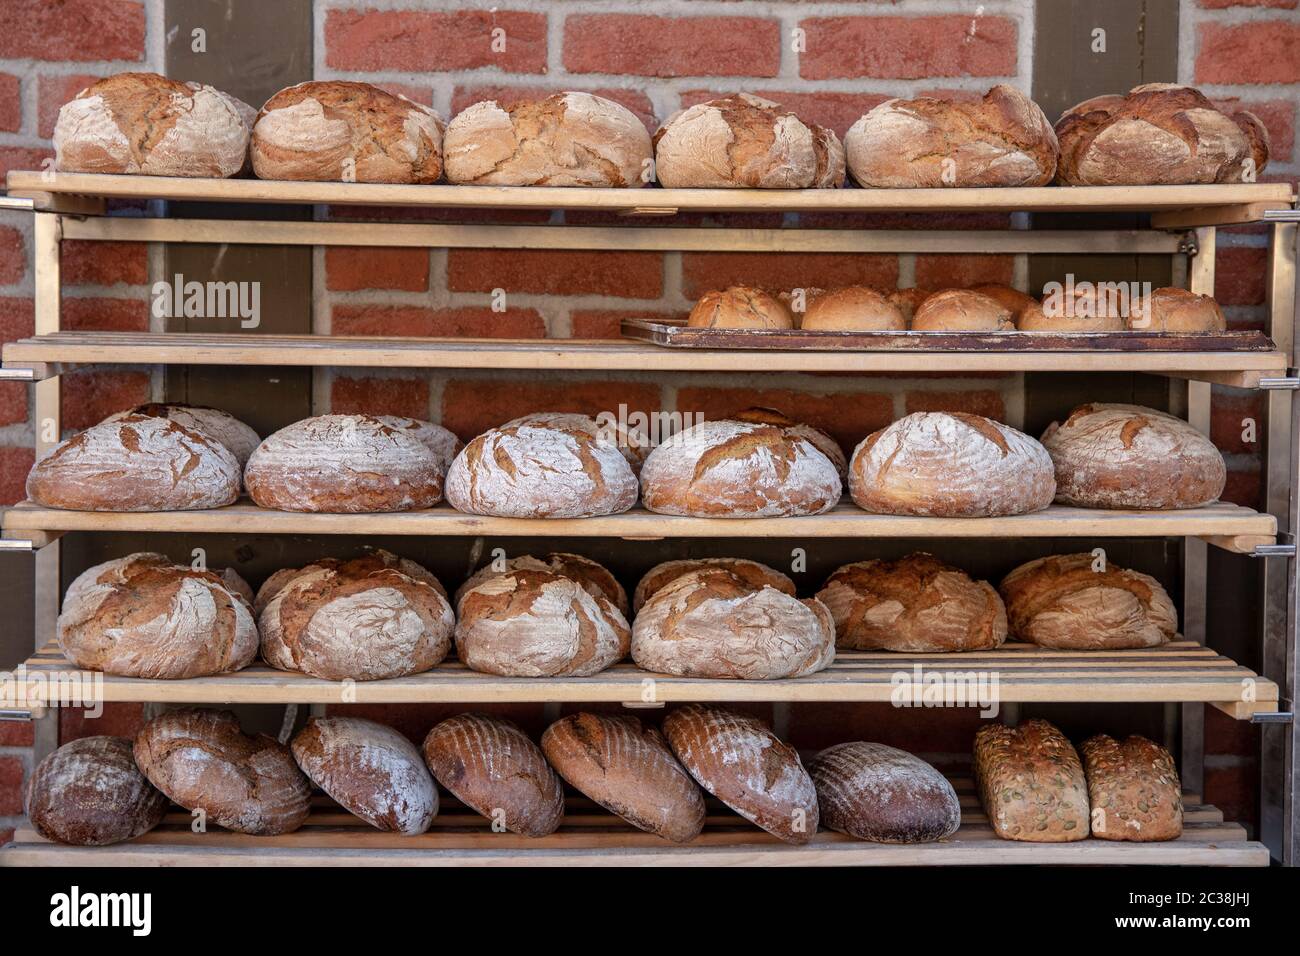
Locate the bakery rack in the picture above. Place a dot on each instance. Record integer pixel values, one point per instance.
(1183, 224)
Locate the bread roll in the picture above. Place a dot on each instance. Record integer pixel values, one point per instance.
(1158, 134)
(1133, 788)
(1177, 310)
(950, 465)
(371, 770)
(1086, 307)
(1061, 601)
(753, 574)
(143, 616)
(629, 770)
(1013, 300)
(594, 577)
(1127, 456)
(1001, 140)
(961, 310)
(203, 761)
(853, 309)
(1031, 783)
(135, 463)
(878, 793)
(567, 139)
(741, 762)
(341, 131)
(224, 427)
(739, 308)
(492, 767)
(823, 442)
(917, 604)
(746, 141)
(89, 792)
(908, 301)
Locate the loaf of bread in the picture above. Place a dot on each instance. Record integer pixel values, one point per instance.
(1127, 456)
(1177, 310)
(371, 770)
(823, 442)
(1082, 308)
(629, 770)
(224, 427)
(443, 443)
(1133, 789)
(203, 761)
(594, 577)
(1011, 299)
(1031, 783)
(89, 792)
(908, 301)
(740, 761)
(950, 465)
(739, 307)
(491, 766)
(961, 310)
(746, 141)
(135, 463)
(566, 139)
(753, 574)
(1159, 134)
(882, 794)
(1001, 140)
(917, 604)
(853, 309)
(341, 131)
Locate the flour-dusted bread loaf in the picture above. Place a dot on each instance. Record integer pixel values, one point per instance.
(441, 441)
(213, 422)
(1176, 310)
(1031, 783)
(950, 465)
(143, 616)
(1069, 601)
(714, 623)
(1085, 307)
(371, 770)
(567, 139)
(594, 577)
(1011, 299)
(823, 442)
(1002, 139)
(341, 131)
(740, 761)
(908, 301)
(203, 761)
(855, 308)
(882, 794)
(89, 792)
(1128, 456)
(628, 769)
(1133, 788)
(370, 618)
(146, 124)
(739, 307)
(1158, 134)
(752, 573)
(491, 766)
(746, 141)
(917, 604)
(961, 310)
(136, 463)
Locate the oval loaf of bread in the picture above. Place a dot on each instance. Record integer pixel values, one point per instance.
(820, 440)
(739, 307)
(1133, 788)
(224, 427)
(593, 576)
(882, 794)
(1031, 783)
(1177, 310)
(853, 309)
(1085, 308)
(961, 310)
(443, 443)
(753, 574)
(1010, 298)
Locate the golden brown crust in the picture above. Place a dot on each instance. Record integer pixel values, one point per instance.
(961, 310)
(594, 577)
(1133, 788)
(908, 301)
(1031, 783)
(1011, 299)
(823, 442)
(1089, 308)
(739, 308)
(853, 309)
(1177, 310)
(756, 575)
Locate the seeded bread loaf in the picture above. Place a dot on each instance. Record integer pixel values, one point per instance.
(961, 310)
(753, 574)
(1031, 783)
(878, 793)
(1133, 788)
(739, 307)
(224, 427)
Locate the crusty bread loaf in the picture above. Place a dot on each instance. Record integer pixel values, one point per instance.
(1031, 783)
(855, 308)
(89, 792)
(371, 770)
(224, 427)
(746, 141)
(1127, 456)
(136, 463)
(739, 307)
(1133, 788)
(342, 131)
(1177, 310)
(143, 616)
(1158, 134)
(950, 465)
(961, 310)
(753, 574)
(1082, 308)
(1001, 140)
(823, 442)
(1063, 601)
(908, 301)
(740, 761)
(916, 604)
(629, 770)
(491, 766)
(203, 761)
(443, 443)
(594, 577)
(882, 794)
(1011, 299)
(567, 139)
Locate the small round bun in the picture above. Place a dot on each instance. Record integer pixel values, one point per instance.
(882, 794)
(853, 309)
(224, 427)
(756, 576)
(961, 310)
(594, 577)
(739, 308)
(1177, 310)
(89, 792)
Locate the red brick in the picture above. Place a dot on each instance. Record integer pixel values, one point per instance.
(471, 322)
(848, 418)
(11, 103)
(380, 396)
(908, 48)
(104, 315)
(17, 319)
(22, 157)
(917, 730)
(1278, 117)
(416, 94)
(472, 406)
(837, 111)
(634, 100)
(117, 720)
(1224, 4)
(1261, 51)
(607, 323)
(434, 40)
(945, 271)
(104, 263)
(15, 463)
(1226, 736)
(627, 275)
(777, 272)
(11, 786)
(1239, 275)
(13, 403)
(370, 267)
(1234, 790)
(52, 91)
(17, 734)
(671, 46)
(1228, 409)
(13, 256)
(1244, 486)
(89, 397)
(986, 403)
(6, 836)
(79, 30)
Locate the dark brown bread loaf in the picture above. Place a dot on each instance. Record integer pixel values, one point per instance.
(1031, 783)
(878, 793)
(1134, 790)
(754, 574)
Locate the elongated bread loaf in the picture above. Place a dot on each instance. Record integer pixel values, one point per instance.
(1134, 790)
(89, 792)
(878, 793)
(1031, 783)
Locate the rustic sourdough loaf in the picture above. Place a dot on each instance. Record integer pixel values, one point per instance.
(854, 308)
(823, 442)
(443, 443)
(224, 427)
(594, 577)
(1177, 310)
(878, 793)
(1031, 783)
(753, 574)
(1011, 299)
(1086, 309)
(1133, 788)
(961, 310)
(739, 307)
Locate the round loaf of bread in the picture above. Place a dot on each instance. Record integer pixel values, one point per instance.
(1002, 139)
(746, 141)
(1127, 456)
(1177, 310)
(753, 574)
(917, 604)
(950, 465)
(341, 131)
(89, 792)
(1158, 134)
(853, 309)
(908, 301)
(1068, 601)
(739, 308)
(882, 794)
(203, 761)
(567, 139)
(740, 761)
(594, 577)
(443, 443)
(823, 442)
(629, 770)
(213, 422)
(1085, 307)
(143, 616)
(961, 310)
(491, 766)
(371, 770)
(1011, 299)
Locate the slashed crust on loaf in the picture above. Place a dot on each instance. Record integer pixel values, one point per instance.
(1031, 783)
(754, 574)
(594, 577)
(213, 422)
(442, 442)
(823, 442)
(882, 794)
(854, 308)
(961, 310)
(1133, 788)
(739, 307)
(1177, 310)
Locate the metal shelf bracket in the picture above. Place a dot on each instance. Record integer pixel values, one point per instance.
(1289, 382)
(12, 715)
(1283, 715)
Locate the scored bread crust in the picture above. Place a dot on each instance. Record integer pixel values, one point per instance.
(1031, 783)
(754, 574)
(594, 577)
(442, 442)
(213, 422)
(739, 307)
(1134, 790)
(820, 440)
(1177, 310)
(961, 310)
(854, 308)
